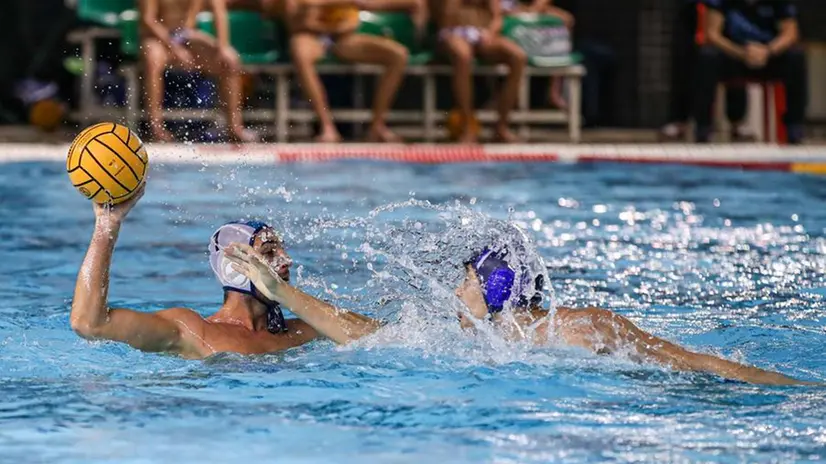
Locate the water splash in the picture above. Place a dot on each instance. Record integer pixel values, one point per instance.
(414, 251)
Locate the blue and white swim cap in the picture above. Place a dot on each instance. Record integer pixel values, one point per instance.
(501, 282)
(232, 280)
(232, 232)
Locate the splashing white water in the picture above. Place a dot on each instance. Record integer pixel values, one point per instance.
(415, 263)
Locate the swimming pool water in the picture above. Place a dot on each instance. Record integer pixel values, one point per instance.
(723, 261)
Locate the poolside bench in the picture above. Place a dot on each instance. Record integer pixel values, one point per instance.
(429, 117)
(102, 18)
(256, 40)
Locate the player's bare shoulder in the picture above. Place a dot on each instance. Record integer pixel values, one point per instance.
(192, 329)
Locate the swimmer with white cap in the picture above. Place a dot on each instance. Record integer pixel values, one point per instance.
(499, 292)
(248, 322)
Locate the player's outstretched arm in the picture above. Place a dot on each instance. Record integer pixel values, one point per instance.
(340, 325)
(91, 317)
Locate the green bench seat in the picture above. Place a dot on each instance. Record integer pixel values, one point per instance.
(255, 39)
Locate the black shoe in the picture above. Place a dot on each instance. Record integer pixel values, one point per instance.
(795, 134)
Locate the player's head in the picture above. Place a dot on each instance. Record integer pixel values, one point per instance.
(491, 282)
(265, 241)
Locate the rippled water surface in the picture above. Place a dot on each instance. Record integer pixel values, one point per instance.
(723, 261)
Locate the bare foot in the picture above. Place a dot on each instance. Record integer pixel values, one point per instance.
(557, 101)
(242, 135)
(328, 135)
(381, 134)
(504, 135)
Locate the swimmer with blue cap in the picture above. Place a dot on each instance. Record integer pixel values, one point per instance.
(506, 295)
(248, 322)
(509, 296)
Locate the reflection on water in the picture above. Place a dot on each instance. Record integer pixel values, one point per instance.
(723, 261)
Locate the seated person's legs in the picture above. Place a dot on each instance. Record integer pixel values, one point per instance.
(511, 7)
(155, 59)
(460, 52)
(498, 49)
(362, 48)
(306, 49)
(736, 106)
(712, 67)
(790, 68)
(555, 93)
(224, 64)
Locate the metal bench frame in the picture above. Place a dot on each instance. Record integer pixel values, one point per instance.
(429, 118)
(88, 108)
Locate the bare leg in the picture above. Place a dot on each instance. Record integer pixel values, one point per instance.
(155, 60)
(361, 48)
(502, 50)
(460, 53)
(555, 94)
(306, 49)
(555, 91)
(225, 65)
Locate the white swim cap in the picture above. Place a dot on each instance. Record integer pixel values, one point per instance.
(233, 232)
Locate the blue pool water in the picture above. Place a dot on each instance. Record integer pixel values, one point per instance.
(723, 261)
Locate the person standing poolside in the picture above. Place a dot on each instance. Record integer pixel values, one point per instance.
(490, 286)
(248, 322)
(169, 38)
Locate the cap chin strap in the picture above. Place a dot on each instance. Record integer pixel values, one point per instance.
(275, 316)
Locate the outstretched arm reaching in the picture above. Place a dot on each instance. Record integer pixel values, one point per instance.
(91, 317)
(602, 330)
(339, 325)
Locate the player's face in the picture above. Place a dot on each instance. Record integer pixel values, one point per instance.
(270, 245)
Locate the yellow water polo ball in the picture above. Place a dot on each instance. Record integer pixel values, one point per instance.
(455, 125)
(47, 114)
(107, 162)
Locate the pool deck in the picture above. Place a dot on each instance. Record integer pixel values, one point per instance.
(22, 145)
(808, 159)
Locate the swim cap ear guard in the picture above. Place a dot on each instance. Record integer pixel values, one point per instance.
(232, 280)
(498, 280)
